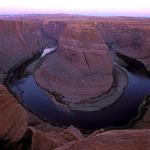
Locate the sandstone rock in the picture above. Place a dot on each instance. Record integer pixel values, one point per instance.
(53, 28)
(114, 140)
(51, 140)
(14, 132)
(75, 132)
(66, 135)
(40, 130)
(33, 120)
(41, 142)
(13, 118)
(19, 41)
(128, 36)
(80, 68)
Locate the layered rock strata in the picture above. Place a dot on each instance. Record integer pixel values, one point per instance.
(13, 118)
(21, 130)
(21, 38)
(114, 140)
(81, 67)
(130, 37)
(19, 41)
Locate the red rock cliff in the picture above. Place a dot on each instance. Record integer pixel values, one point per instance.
(81, 67)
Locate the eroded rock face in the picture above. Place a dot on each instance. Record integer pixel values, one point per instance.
(52, 139)
(13, 118)
(53, 28)
(81, 67)
(130, 37)
(15, 134)
(19, 41)
(114, 140)
(41, 141)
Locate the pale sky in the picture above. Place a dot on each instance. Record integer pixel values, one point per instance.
(89, 7)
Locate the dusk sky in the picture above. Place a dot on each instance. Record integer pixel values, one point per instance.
(89, 7)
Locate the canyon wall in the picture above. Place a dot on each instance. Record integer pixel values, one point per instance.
(21, 38)
(81, 61)
(130, 37)
(81, 67)
(19, 129)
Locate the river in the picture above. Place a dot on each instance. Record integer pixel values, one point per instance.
(118, 114)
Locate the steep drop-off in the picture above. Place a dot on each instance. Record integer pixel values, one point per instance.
(23, 36)
(80, 68)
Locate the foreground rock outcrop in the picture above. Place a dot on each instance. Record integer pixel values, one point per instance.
(15, 133)
(114, 140)
(13, 118)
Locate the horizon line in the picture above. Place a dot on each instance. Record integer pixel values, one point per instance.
(93, 14)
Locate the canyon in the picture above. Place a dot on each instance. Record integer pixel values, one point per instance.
(81, 74)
